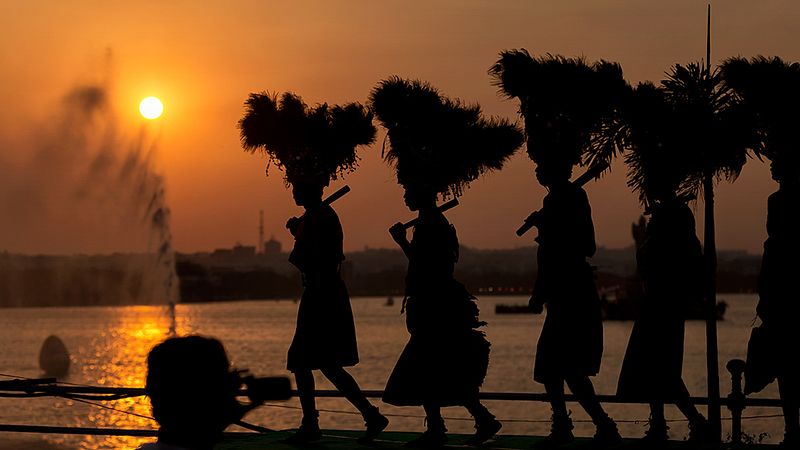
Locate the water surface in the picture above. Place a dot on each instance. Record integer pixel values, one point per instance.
(109, 346)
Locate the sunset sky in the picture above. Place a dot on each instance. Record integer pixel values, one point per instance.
(203, 59)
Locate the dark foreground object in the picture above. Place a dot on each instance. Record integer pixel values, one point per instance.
(344, 439)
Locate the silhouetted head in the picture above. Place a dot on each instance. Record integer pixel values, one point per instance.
(419, 198)
(308, 192)
(550, 174)
(661, 192)
(785, 173)
(192, 390)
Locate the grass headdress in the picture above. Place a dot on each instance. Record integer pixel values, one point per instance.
(316, 143)
(570, 106)
(437, 143)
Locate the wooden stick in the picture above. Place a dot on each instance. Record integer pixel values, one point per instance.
(442, 208)
(337, 195)
(590, 174)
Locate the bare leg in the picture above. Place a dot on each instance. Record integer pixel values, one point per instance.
(607, 433)
(657, 428)
(561, 427)
(480, 412)
(684, 405)
(309, 428)
(700, 430)
(486, 425)
(555, 391)
(432, 411)
(305, 390)
(435, 432)
(787, 388)
(347, 385)
(657, 412)
(434, 420)
(584, 391)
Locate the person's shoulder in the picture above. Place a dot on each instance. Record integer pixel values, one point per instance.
(323, 214)
(575, 193)
(327, 211)
(439, 221)
(431, 224)
(577, 189)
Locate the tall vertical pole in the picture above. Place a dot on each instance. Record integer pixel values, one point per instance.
(260, 245)
(710, 251)
(708, 40)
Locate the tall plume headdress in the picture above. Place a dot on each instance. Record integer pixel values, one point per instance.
(316, 143)
(437, 143)
(769, 89)
(570, 106)
(658, 159)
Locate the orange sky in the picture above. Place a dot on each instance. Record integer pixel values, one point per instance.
(203, 58)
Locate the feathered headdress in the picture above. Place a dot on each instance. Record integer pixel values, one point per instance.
(658, 158)
(770, 92)
(569, 105)
(307, 143)
(437, 143)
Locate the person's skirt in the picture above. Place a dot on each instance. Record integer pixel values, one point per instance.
(571, 341)
(325, 336)
(651, 370)
(446, 358)
(440, 370)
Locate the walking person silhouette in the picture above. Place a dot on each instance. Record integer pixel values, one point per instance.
(314, 146)
(770, 90)
(777, 285)
(570, 345)
(669, 262)
(568, 104)
(438, 146)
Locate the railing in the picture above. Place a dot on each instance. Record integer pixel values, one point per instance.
(736, 402)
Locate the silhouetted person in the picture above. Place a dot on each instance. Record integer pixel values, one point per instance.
(193, 392)
(438, 146)
(314, 146)
(446, 358)
(325, 337)
(670, 265)
(778, 305)
(571, 342)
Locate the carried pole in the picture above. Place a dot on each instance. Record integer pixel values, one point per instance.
(442, 208)
(710, 253)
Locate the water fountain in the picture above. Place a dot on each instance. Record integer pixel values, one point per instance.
(83, 186)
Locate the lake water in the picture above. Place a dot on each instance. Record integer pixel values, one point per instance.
(109, 345)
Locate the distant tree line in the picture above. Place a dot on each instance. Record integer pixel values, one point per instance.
(108, 280)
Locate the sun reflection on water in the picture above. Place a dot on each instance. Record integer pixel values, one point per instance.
(118, 357)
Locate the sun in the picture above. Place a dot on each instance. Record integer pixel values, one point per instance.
(151, 108)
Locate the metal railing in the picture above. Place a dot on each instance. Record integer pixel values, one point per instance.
(736, 401)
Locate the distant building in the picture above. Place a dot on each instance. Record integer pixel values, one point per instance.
(222, 253)
(244, 251)
(272, 246)
(238, 252)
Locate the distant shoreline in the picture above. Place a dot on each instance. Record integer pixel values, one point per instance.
(382, 298)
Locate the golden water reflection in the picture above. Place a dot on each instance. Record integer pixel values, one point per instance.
(118, 357)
